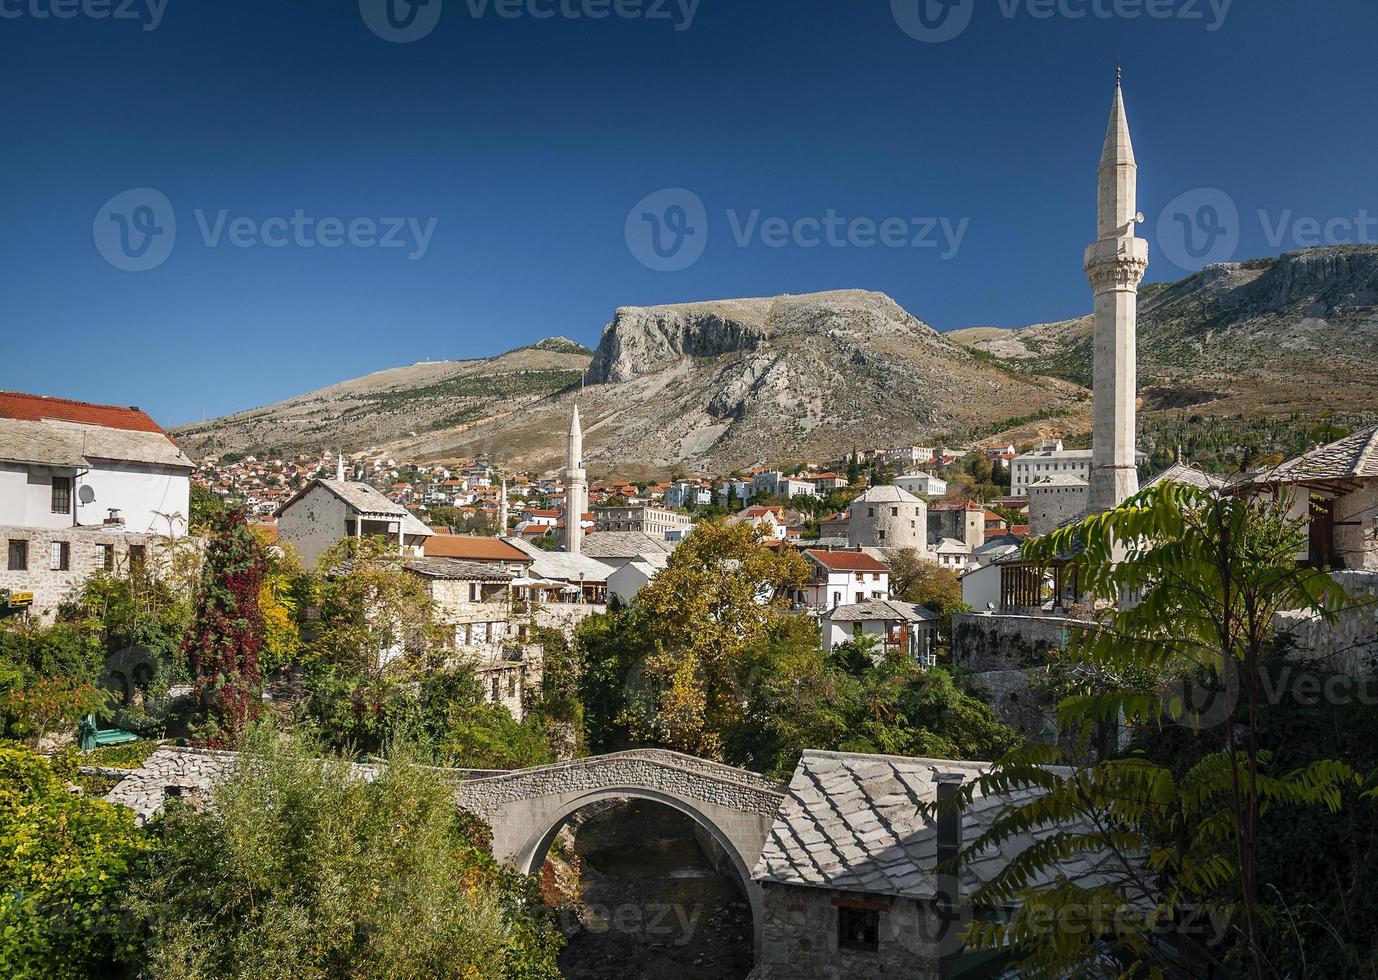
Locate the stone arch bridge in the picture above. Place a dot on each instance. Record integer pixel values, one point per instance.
(526, 808)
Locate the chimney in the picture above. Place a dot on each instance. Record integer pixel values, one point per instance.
(948, 906)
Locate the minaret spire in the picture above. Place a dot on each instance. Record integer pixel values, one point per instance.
(1115, 264)
(576, 487)
(503, 516)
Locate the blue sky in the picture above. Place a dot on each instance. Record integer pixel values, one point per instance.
(465, 177)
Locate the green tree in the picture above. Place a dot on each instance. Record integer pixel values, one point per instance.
(702, 617)
(66, 862)
(1208, 573)
(856, 699)
(916, 579)
(301, 869)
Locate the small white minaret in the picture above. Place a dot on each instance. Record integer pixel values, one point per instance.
(502, 510)
(1115, 264)
(576, 487)
(339, 468)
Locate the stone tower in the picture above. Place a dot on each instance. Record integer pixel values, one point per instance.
(888, 517)
(576, 488)
(1115, 265)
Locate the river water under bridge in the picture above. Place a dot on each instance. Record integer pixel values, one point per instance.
(653, 906)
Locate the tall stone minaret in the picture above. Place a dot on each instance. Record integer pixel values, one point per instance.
(503, 516)
(576, 488)
(1115, 265)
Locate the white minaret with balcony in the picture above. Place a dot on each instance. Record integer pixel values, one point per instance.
(1115, 265)
(576, 487)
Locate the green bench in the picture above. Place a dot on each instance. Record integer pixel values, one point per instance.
(90, 737)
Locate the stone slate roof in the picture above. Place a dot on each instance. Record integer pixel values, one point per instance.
(624, 544)
(457, 570)
(852, 822)
(888, 610)
(66, 443)
(1186, 474)
(1058, 480)
(886, 495)
(561, 565)
(1353, 456)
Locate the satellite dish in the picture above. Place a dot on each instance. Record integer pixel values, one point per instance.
(85, 494)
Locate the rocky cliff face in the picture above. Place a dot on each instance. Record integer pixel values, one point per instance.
(717, 385)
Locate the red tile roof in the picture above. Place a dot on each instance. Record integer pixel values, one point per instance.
(472, 547)
(847, 561)
(36, 408)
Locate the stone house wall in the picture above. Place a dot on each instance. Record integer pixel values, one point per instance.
(1356, 533)
(888, 524)
(86, 555)
(1050, 506)
(800, 937)
(313, 525)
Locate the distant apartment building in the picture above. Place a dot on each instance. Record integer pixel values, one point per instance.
(909, 456)
(1047, 459)
(922, 484)
(828, 482)
(83, 487)
(686, 493)
(655, 521)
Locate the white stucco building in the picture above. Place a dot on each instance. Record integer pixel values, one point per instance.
(83, 488)
(922, 484)
(842, 578)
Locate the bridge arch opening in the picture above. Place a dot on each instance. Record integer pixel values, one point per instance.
(532, 855)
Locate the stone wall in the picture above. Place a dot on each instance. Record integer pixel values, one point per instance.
(800, 937)
(1350, 645)
(563, 616)
(86, 556)
(982, 642)
(1356, 534)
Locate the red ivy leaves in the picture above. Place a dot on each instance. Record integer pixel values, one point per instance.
(226, 635)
